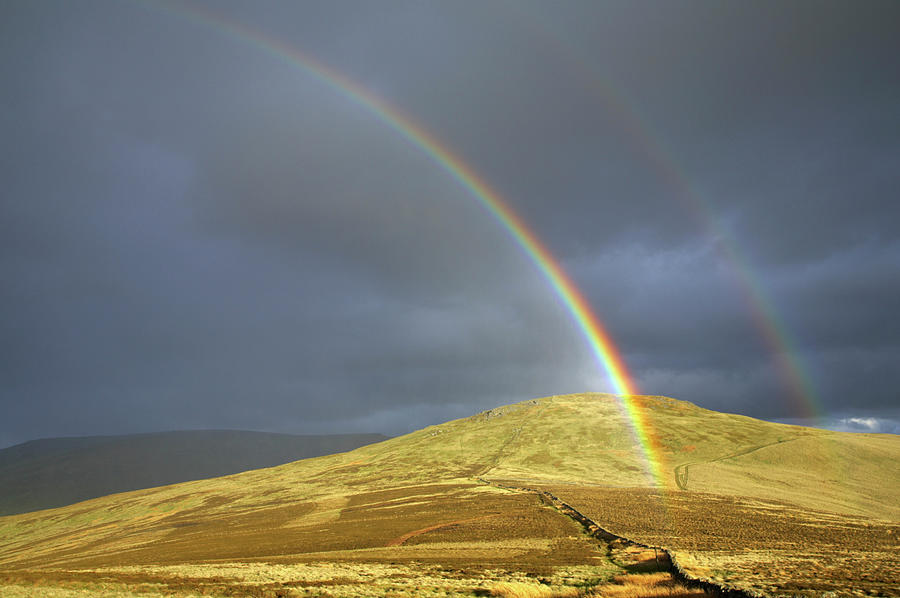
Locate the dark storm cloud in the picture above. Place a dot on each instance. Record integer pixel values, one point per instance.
(196, 234)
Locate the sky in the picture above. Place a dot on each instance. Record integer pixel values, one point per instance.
(198, 233)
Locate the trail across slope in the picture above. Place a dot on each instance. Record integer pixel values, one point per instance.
(682, 470)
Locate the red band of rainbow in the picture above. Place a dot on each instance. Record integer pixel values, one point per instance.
(601, 344)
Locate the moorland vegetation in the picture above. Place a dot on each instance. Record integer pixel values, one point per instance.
(457, 509)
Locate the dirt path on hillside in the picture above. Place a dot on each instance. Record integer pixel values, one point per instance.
(401, 539)
(512, 438)
(682, 471)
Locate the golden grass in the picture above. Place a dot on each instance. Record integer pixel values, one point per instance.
(645, 591)
(768, 546)
(13, 591)
(416, 501)
(852, 474)
(531, 590)
(329, 580)
(647, 579)
(648, 585)
(326, 579)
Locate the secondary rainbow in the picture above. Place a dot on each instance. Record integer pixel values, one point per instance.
(772, 328)
(587, 322)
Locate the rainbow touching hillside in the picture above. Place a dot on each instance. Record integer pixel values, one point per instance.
(449, 299)
(606, 353)
(469, 505)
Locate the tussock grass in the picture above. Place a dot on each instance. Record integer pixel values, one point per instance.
(645, 591)
(772, 547)
(531, 590)
(85, 591)
(649, 579)
(326, 579)
(649, 585)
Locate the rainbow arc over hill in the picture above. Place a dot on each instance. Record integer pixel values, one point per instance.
(599, 340)
(771, 326)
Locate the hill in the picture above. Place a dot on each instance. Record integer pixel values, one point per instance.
(770, 508)
(55, 472)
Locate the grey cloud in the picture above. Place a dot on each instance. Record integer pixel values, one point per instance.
(194, 233)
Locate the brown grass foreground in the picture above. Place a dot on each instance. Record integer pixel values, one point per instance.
(329, 580)
(648, 585)
(453, 539)
(768, 546)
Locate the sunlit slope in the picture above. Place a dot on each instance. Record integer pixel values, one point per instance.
(305, 507)
(430, 477)
(844, 473)
(54, 472)
(589, 439)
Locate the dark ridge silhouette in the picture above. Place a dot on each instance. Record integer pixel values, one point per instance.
(54, 472)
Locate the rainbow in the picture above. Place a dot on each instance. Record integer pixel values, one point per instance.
(770, 325)
(597, 337)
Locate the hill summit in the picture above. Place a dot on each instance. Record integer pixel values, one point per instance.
(590, 439)
(467, 493)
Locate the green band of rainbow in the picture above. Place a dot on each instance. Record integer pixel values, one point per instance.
(590, 326)
(772, 328)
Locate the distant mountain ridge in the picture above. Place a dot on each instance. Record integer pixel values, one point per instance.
(54, 472)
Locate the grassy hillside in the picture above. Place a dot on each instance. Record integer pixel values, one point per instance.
(422, 502)
(588, 439)
(844, 473)
(54, 472)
